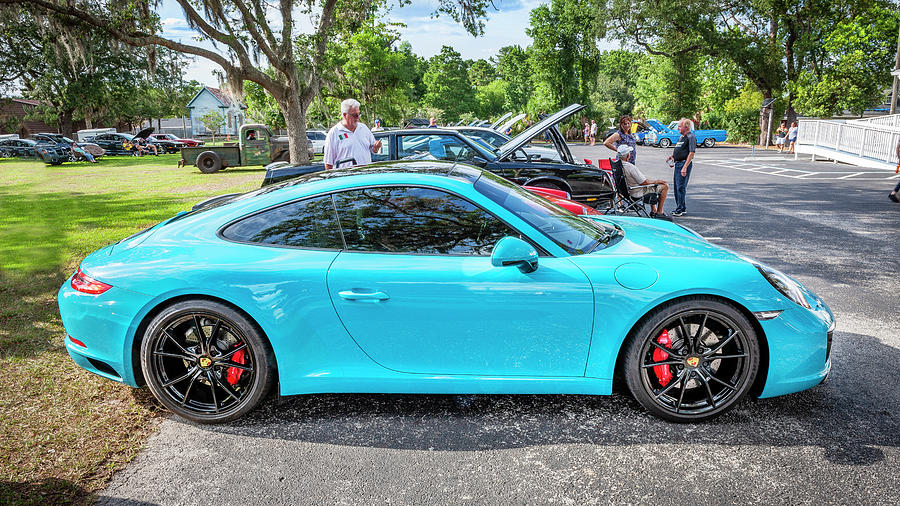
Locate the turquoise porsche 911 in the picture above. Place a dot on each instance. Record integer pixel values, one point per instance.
(434, 277)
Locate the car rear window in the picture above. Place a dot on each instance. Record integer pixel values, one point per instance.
(309, 223)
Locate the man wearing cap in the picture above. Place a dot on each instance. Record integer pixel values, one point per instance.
(635, 178)
(349, 142)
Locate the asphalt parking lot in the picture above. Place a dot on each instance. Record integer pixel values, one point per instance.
(831, 226)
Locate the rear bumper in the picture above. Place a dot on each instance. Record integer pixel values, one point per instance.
(105, 324)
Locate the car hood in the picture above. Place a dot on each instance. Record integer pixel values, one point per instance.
(495, 124)
(536, 129)
(143, 134)
(656, 125)
(506, 126)
(651, 237)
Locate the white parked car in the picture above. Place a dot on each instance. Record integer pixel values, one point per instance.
(317, 139)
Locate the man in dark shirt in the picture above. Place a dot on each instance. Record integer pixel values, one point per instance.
(683, 155)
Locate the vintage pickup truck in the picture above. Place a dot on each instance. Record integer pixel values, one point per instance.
(256, 146)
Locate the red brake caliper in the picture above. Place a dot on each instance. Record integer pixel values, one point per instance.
(234, 374)
(663, 374)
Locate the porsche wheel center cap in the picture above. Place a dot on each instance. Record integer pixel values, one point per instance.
(692, 361)
(205, 362)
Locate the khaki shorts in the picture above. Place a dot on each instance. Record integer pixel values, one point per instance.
(640, 192)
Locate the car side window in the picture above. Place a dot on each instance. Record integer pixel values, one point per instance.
(437, 147)
(385, 153)
(416, 220)
(309, 223)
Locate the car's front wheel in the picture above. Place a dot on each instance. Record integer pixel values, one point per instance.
(206, 362)
(664, 143)
(692, 360)
(709, 142)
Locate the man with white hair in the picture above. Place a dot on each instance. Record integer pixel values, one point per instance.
(349, 142)
(683, 156)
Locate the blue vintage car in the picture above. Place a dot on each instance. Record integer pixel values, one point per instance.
(435, 277)
(664, 136)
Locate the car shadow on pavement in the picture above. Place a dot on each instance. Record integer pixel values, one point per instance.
(848, 417)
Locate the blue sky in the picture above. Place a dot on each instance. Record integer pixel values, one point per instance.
(504, 27)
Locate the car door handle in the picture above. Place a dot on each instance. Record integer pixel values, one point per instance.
(364, 296)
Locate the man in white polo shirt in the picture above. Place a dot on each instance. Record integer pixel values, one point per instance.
(349, 139)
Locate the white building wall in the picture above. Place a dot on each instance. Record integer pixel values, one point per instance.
(205, 102)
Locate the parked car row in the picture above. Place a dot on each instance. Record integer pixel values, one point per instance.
(117, 143)
(54, 148)
(663, 136)
(49, 152)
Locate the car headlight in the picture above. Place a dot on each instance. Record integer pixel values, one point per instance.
(787, 286)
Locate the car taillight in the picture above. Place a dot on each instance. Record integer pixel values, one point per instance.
(85, 284)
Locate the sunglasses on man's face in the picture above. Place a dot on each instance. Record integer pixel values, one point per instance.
(354, 115)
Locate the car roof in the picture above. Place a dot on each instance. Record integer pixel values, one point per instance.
(366, 175)
(429, 167)
(417, 131)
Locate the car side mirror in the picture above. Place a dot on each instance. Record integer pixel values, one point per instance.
(514, 251)
(479, 161)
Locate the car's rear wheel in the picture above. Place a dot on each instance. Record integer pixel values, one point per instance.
(209, 162)
(664, 143)
(709, 142)
(692, 360)
(206, 362)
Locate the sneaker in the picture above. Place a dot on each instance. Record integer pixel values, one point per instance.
(893, 196)
(678, 214)
(661, 216)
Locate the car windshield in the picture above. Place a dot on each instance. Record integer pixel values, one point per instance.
(484, 145)
(494, 139)
(571, 233)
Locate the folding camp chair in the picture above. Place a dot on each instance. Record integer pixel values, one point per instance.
(624, 202)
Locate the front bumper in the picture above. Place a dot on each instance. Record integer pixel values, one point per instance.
(799, 342)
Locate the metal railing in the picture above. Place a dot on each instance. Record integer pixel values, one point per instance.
(855, 142)
(891, 120)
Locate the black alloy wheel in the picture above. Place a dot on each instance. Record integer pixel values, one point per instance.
(664, 142)
(692, 360)
(206, 362)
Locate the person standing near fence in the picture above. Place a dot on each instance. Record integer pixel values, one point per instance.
(792, 136)
(593, 132)
(683, 156)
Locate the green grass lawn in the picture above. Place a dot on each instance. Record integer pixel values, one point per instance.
(64, 431)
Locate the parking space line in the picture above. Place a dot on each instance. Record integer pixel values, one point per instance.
(781, 171)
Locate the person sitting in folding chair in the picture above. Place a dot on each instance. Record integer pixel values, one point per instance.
(640, 189)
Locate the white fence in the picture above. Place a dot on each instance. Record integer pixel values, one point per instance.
(891, 120)
(855, 142)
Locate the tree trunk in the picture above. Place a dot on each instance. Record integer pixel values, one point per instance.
(295, 121)
(764, 118)
(791, 71)
(65, 123)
